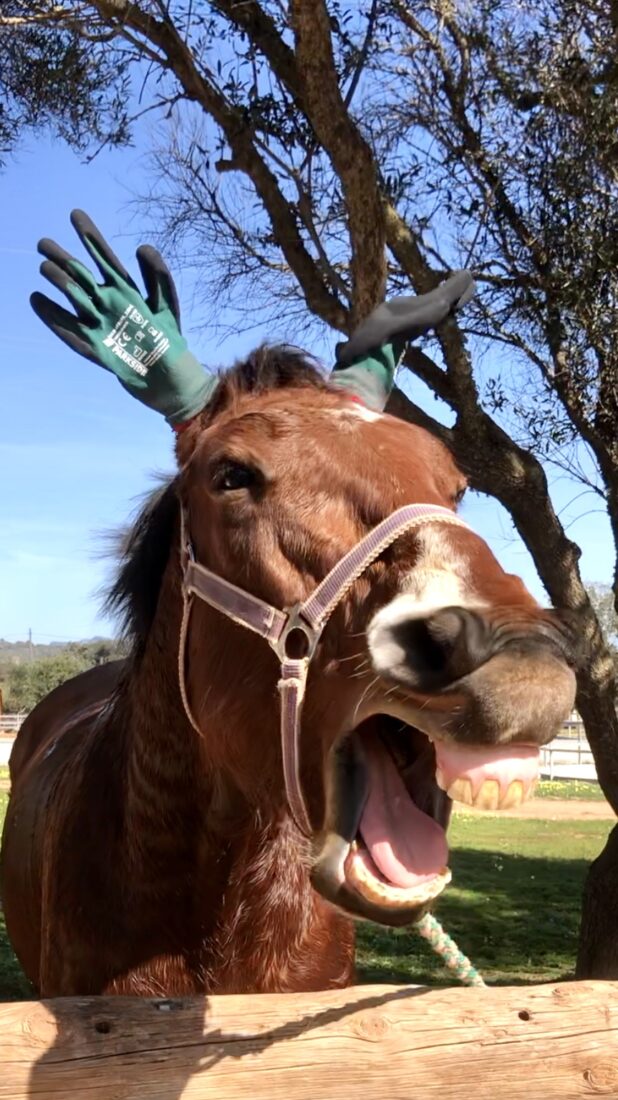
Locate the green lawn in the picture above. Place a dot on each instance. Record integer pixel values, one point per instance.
(513, 906)
(569, 788)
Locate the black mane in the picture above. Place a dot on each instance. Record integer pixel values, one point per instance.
(145, 548)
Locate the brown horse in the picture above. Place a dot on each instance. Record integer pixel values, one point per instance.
(149, 847)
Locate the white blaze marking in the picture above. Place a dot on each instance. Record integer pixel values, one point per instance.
(357, 412)
(440, 579)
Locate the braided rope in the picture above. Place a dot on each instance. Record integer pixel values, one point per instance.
(454, 959)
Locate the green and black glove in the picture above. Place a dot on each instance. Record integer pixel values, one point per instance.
(138, 339)
(366, 363)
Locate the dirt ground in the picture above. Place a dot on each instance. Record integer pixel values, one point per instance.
(552, 809)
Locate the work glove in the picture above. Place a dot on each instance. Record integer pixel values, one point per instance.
(137, 338)
(366, 363)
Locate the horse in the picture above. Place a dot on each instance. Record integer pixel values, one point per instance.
(168, 831)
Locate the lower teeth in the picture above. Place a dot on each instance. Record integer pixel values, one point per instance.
(376, 889)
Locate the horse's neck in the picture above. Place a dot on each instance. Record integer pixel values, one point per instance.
(163, 774)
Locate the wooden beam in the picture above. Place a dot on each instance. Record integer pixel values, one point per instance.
(367, 1043)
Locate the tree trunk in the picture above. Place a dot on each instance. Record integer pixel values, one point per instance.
(598, 935)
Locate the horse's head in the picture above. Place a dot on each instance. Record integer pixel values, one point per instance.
(436, 677)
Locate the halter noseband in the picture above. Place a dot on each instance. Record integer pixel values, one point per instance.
(276, 627)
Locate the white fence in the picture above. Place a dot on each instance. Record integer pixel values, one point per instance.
(563, 759)
(11, 723)
(569, 756)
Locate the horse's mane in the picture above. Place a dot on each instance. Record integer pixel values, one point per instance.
(145, 547)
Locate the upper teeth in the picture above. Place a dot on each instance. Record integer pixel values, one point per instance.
(489, 796)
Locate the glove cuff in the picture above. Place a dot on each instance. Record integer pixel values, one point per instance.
(192, 390)
(371, 377)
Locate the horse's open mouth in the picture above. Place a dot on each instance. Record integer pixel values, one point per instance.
(385, 854)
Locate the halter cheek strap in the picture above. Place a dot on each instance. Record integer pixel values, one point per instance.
(299, 625)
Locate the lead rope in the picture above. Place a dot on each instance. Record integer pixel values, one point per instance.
(459, 964)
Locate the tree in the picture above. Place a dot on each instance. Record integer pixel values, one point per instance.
(31, 681)
(319, 153)
(602, 599)
(46, 80)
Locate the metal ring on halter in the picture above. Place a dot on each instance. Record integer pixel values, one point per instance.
(296, 623)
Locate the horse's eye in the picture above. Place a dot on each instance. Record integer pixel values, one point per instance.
(459, 495)
(234, 475)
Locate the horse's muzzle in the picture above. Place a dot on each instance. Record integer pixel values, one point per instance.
(483, 679)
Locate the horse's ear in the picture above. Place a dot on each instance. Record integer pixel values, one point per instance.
(366, 363)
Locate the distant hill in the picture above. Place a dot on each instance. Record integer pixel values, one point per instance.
(13, 653)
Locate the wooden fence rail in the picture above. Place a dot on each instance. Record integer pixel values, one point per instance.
(547, 1042)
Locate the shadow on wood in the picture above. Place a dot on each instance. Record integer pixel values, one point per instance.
(386, 1042)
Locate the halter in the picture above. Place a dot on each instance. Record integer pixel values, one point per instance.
(304, 622)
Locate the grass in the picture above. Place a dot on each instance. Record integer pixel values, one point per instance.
(513, 907)
(569, 788)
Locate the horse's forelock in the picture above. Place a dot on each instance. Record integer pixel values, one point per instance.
(269, 367)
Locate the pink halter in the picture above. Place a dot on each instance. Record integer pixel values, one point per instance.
(308, 618)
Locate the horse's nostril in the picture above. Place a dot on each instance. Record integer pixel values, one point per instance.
(445, 646)
(445, 629)
(463, 637)
(421, 645)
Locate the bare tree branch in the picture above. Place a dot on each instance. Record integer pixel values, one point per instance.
(351, 156)
(165, 37)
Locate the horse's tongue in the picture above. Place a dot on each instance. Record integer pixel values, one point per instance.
(406, 845)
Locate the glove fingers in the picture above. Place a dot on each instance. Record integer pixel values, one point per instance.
(62, 323)
(467, 295)
(450, 296)
(78, 297)
(408, 317)
(106, 260)
(75, 268)
(158, 280)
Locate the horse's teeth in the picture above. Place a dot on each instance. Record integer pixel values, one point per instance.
(488, 795)
(461, 791)
(514, 796)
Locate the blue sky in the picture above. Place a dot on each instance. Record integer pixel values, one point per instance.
(76, 452)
